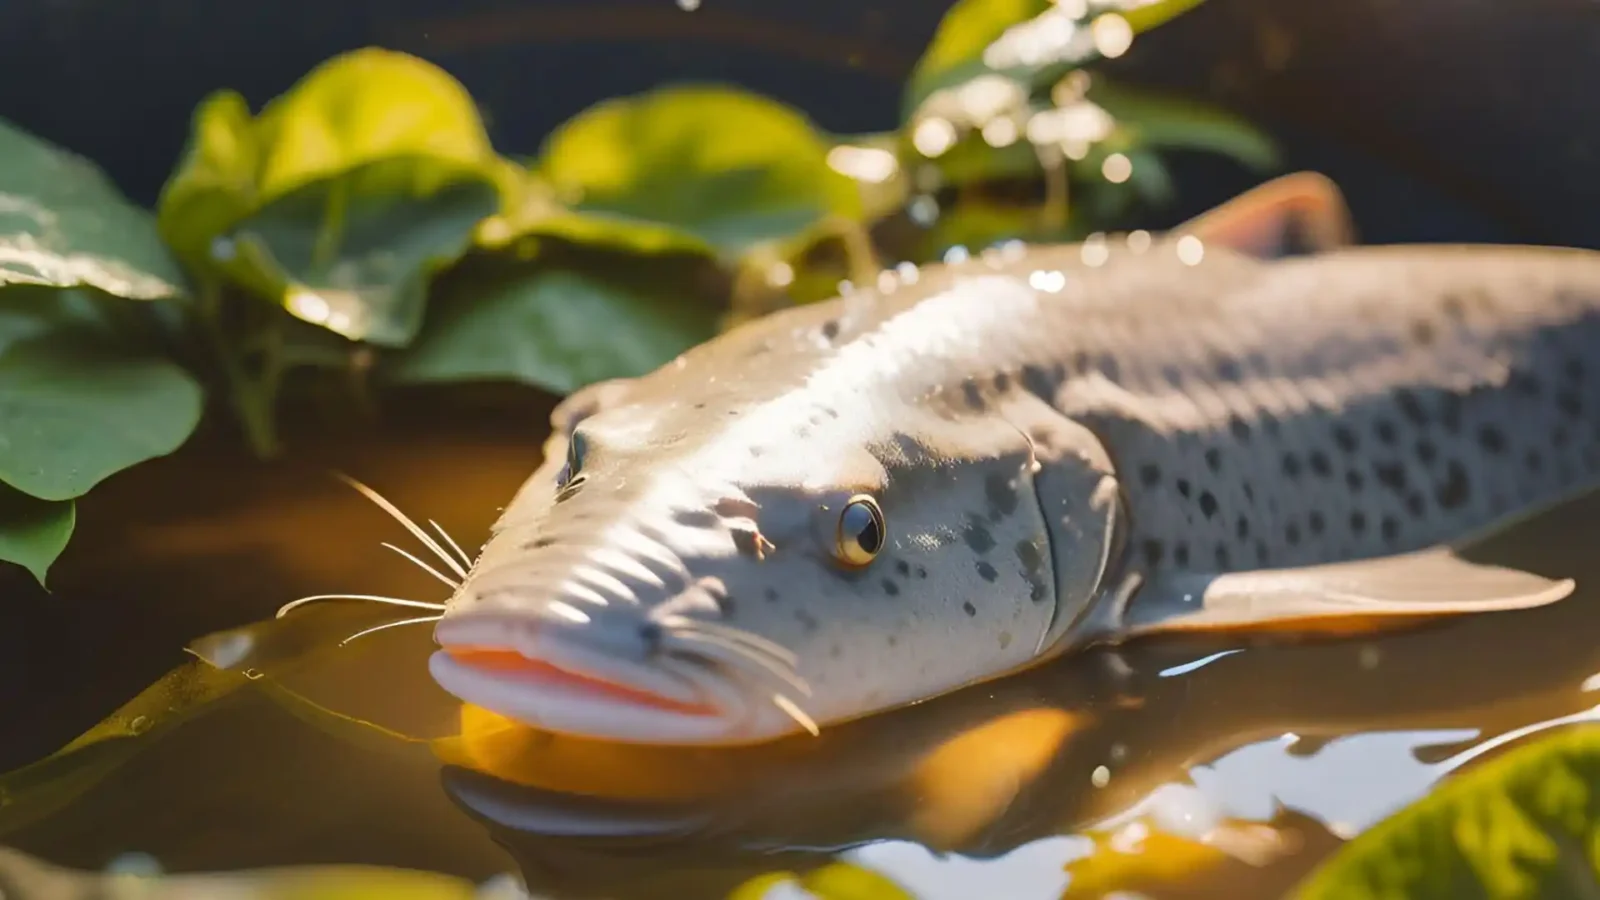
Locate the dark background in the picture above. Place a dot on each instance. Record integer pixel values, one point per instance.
(1443, 119)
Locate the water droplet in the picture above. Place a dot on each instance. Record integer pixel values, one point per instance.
(1095, 250)
(957, 254)
(870, 164)
(222, 249)
(309, 306)
(887, 282)
(1000, 132)
(780, 274)
(1012, 250)
(933, 136)
(688, 5)
(1112, 35)
(1117, 168)
(1191, 250)
(1139, 241)
(1048, 280)
(1100, 777)
(139, 725)
(924, 210)
(908, 272)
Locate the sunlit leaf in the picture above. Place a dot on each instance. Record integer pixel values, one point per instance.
(556, 329)
(835, 881)
(956, 53)
(33, 532)
(1526, 824)
(343, 197)
(724, 168)
(64, 224)
(35, 878)
(78, 400)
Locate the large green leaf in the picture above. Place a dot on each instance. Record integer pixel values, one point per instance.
(80, 402)
(1161, 121)
(64, 224)
(33, 532)
(343, 197)
(554, 328)
(1524, 825)
(725, 169)
(956, 53)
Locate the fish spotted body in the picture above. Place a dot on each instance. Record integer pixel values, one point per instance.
(1066, 445)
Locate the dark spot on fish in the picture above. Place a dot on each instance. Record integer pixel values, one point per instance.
(757, 452)
(1208, 504)
(1173, 375)
(695, 518)
(1525, 384)
(1391, 475)
(903, 567)
(1291, 465)
(987, 572)
(1262, 556)
(1180, 554)
(1001, 493)
(1411, 406)
(1455, 489)
(1415, 503)
(972, 394)
(1316, 522)
(1080, 362)
(699, 406)
(969, 608)
(921, 572)
(830, 412)
(1152, 552)
(1291, 533)
(1038, 382)
(1269, 422)
(1358, 521)
(1390, 528)
(1344, 438)
(1573, 369)
(1214, 459)
(890, 588)
(1249, 492)
(1320, 464)
(1568, 401)
(1453, 308)
(1386, 431)
(1450, 412)
(978, 536)
(1426, 451)
(1560, 436)
(1239, 428)
(1002, 381)
(835, 651)
(1227, 368)
(1223, 561)
(1422, 332)
(1354, 480)
(1108, 366)
(1184, 488)
(830, 329)
(1031, 557)
(1149, 473)
(806, 620)
(1534, 460)
(892, 640)
(1242, 528)
(539, 543)
(650, 633)
(771, 594)
(1491, 439)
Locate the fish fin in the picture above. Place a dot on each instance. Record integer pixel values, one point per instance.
(1338, 598)
(1299, 213)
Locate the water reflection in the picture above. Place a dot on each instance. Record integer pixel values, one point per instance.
(1261, 756)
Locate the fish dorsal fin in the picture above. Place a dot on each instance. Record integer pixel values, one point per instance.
(1299, 213)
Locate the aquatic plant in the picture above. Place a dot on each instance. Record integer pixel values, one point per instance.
(360, 232)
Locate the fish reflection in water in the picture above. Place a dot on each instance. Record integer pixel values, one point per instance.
(1268, 753)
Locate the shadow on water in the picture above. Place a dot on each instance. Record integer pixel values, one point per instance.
(351, 755)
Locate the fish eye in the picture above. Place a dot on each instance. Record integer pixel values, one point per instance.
(860, 531)
(574, 464)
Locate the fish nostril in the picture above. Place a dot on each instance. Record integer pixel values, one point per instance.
(651, 634)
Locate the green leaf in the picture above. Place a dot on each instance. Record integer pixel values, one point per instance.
(343, 197)
(555, 329)
(724, 169)
(955, 55)
(1162, 121)
(1526, 824)
(33, 532)
(64, 224)
(78, 401)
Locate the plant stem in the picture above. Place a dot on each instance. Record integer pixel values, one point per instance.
(253, 398)
(331, 231)
(1055, 212)
(859, 253)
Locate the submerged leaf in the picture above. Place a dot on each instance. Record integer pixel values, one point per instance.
(555, 329)
(725, 169)
(33, 532)
(343, 197)
(64, 224)
(79, 403)
(1524, 825)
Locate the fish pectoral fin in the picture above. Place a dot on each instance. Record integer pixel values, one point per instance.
(1303, 212)
(1347, 597)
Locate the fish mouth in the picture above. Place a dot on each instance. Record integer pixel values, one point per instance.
(547, 678)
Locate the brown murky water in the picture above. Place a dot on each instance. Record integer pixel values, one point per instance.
(1265, 756)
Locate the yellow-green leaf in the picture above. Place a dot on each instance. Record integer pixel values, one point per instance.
(1524, 825)
(33, 532)
(724, 168)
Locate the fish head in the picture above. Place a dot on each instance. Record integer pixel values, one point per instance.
(666, 581)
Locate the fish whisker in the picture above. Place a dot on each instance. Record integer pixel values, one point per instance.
(415, 529)
(793, 711)
(465, 559)
(375, 598)
(737, 635)
(702, 643)
(454, 585)
(366, 631)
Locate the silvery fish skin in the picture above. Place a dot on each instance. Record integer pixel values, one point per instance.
(1067, 445)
